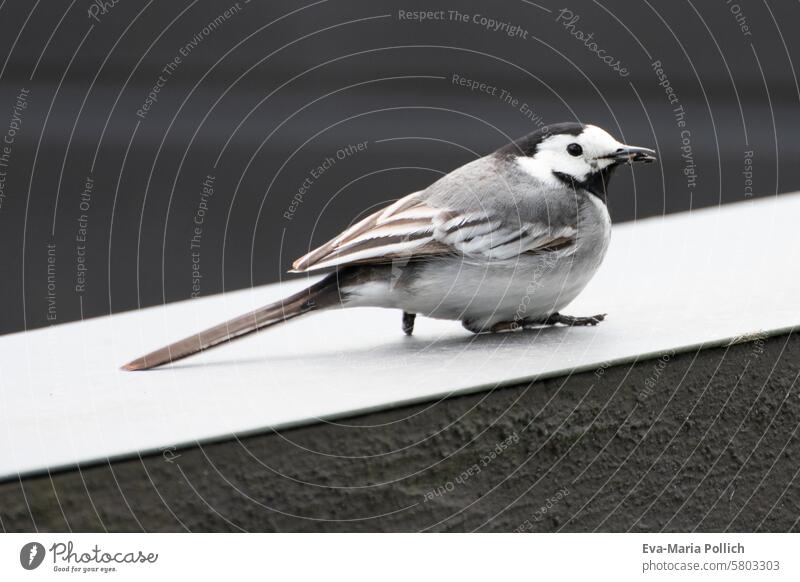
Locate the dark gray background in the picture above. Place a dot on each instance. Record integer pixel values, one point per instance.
(281, 85)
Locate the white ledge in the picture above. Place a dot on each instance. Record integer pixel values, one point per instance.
(674, 283)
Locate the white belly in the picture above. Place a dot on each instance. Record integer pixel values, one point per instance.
(530, 287)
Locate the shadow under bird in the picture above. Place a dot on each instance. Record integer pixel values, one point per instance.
(502, 243)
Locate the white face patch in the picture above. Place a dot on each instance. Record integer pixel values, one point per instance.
(552, 155)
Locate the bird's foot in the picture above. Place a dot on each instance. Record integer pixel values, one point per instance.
(518, 325)
(570, 320)
(408, 322)
(504, 326)
(499, 327)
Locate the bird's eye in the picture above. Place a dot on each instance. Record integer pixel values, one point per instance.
(574, 149)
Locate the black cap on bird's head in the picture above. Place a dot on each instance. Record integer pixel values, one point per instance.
(527, 144)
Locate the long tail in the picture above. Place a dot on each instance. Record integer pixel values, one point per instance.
(321, 295)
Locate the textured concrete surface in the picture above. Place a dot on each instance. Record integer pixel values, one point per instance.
(705, 441)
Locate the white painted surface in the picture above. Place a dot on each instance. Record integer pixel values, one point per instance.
(668, 283)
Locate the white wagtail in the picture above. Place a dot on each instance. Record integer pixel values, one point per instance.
(501, 243)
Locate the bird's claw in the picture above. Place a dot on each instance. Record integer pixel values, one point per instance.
(575, 321)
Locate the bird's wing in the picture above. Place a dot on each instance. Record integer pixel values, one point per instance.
(411, 228)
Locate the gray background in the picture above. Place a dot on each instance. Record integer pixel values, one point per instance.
(87, 79)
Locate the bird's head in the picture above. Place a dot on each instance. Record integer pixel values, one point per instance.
(576, 154)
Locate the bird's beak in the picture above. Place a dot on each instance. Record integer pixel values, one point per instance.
(629, 154)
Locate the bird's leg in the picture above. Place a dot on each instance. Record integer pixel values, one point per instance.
(408, 322)
(517, 325)
(570, 320)
(504, 326)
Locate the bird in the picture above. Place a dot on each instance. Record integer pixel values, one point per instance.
(501, 244)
